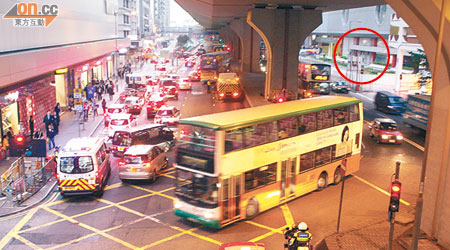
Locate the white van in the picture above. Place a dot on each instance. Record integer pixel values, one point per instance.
(83, 166)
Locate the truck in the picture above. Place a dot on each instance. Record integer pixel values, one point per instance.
(229, 87)
(417, 109)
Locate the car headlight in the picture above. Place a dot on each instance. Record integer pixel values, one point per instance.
(384, 137)
(390, 106)
(399, 137)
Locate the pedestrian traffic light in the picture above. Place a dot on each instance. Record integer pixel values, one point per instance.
(396, 189)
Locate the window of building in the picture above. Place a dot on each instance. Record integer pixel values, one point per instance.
(340, 115)
(354, 112)
(287, 127)
(306, 161)
(260, 177)
(307, 123)
(126, 33)
(126, 19)
(324, 119)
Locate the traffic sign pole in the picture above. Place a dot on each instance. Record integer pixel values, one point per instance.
(391, 214)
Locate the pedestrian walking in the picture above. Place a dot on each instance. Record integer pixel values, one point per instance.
(104, 106)
(110, 92)
(31, 124)
(57, 113)
(5, 146)
(85, 111)
(94, 108)
(51, 137)
(99, 91)
(48, 120)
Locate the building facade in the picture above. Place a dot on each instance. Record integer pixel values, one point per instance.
(367, 46)
(161, 13)
(41, 66)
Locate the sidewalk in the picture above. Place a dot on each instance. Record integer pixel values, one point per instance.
(68, 129)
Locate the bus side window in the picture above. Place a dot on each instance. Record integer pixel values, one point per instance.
(340, 115)
(287, 127)
(272, 131)
(307, 123)
(322, 156)
(354, 112)
(306, 161)
(261, 176)
(324, 119)
(234, 140)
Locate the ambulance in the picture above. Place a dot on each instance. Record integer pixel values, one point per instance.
(83, 166)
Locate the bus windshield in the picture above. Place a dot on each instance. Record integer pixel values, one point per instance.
(320, 72)
(196, 189)
(197, 138)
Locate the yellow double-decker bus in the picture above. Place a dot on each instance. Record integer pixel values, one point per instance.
(234, 165)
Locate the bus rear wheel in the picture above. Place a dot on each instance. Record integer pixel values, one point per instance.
(322, 182)
(252, 208)
(337, 176)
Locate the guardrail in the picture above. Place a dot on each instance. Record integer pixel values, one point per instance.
(25, 178)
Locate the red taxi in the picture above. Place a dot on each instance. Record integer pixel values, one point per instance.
(385, 130)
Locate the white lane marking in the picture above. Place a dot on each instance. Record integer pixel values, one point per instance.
(414, 144)
(365, 97)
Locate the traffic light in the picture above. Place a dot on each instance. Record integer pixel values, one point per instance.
(18, 145)
(281, 99)
(396, 189)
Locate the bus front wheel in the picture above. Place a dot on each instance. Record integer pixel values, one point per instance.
(252, 208)
(322, 182)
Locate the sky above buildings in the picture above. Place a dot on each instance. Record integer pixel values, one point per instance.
(179, 17)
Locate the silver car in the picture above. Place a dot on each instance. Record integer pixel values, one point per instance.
(142, 162)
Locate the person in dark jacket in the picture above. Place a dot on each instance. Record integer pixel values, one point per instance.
(57, 117)
(49, 119)
(31, 124)
(104, 106)
(51, 137)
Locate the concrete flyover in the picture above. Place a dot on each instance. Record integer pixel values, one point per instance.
(273, 21)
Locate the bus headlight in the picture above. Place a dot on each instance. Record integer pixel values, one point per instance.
(208, 215)
(399, 137)
(176, 203)
(384, 137)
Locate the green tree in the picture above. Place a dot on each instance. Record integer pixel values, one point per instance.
(419, 61)
(182, 40)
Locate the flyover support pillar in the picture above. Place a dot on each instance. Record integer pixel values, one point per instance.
(244, 31)
(283, 31)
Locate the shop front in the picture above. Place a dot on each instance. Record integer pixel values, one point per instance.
(10, 112)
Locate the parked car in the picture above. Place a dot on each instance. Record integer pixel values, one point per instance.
(389, 102)
(147, 134)
(168, 115)
(184, 83)
(120, 121)
(142, 162)
(134, 104)
(385, 130)
(113, 109)
(340, 87)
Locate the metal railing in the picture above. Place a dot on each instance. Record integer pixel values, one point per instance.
(25, 177)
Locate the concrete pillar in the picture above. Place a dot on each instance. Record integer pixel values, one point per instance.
(436, 194)
(231, 39)
(255, 41)
(283, 32)
(243, 30)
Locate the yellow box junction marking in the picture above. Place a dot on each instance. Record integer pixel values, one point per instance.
(93, 229)
(287, 215)
(379, 189)
(14, 231)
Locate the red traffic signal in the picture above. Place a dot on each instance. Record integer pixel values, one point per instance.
(396, 189)
(281, 99)
(20, 140)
